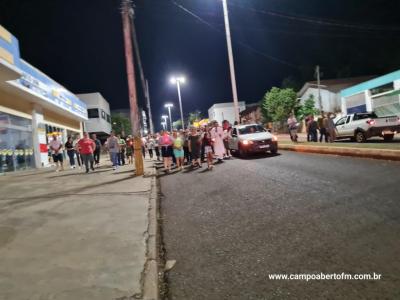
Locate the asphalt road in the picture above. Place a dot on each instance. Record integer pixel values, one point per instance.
(230, 228)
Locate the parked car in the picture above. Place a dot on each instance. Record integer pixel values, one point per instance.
(362, 126)
(252, 138)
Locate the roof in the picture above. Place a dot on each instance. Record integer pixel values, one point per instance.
(334, 85)
(250, 108)
(227, 104)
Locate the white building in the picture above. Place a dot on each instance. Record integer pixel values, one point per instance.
(99, 118)
(224, 111)
(330, 92)
(381, 95)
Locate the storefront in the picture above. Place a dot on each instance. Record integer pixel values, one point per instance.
(32, 108)
(381, 95)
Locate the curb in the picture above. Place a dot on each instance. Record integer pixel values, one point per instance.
(150, 276)
(381, 154)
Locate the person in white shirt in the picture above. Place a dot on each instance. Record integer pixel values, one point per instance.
(55, 146)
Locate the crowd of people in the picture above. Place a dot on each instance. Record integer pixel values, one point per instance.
(324, 124)
(181, 148)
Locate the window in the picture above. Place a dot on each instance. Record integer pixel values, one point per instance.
(341, 121)
(382, 89)
(108, 118)
(93, 113)
(251, 129)
(103, 114)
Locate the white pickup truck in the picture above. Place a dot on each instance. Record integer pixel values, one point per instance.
(361, 126)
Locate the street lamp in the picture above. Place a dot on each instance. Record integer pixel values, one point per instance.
(169, 106)
(164, 125)
(164, 117)
(178, 80)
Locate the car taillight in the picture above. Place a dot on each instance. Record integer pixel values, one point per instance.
(371, 122)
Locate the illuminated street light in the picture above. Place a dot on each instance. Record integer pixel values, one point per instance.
(178, 81)
(164, 125)
(169, 106)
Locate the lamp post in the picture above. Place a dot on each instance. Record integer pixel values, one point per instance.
(169, 106)
(178, 81)
(164, 125)
(231, 62)
(164, 117)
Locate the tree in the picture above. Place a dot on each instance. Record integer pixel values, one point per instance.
(194, 116)
(177, 124)
(278, 103)
(120, 124)
(308, 108)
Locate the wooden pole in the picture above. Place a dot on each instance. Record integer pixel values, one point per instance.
(127, 14)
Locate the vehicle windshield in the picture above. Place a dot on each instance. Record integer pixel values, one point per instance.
(251, 129)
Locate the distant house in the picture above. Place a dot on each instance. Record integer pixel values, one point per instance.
(252, 114)
(330, 92)
(224, 111)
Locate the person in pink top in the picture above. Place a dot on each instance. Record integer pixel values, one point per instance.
(86, 147)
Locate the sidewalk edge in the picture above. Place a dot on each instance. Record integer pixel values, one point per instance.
(393, 155)
(150, 275)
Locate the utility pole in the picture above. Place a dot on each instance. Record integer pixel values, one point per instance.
(231, 62)
(144, 82)
(151, 125)
(127, 15)
(318, 74)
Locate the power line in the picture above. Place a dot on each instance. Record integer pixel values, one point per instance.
(201, 20)
(317, 21)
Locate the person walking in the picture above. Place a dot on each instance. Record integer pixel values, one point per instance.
(312, 129)
(113, 149)
(217, 135)
(322, 123)
(207, 141)
(292, 125)
(178, 149)
(129, 149)
(86, 148)
(165, 143)
(226, 126)
(195, 147)
(97, 150)
(150, 146)
(331, 127)
(186, 151)
(56, 147)
(77, 154)
(69, 146)
(156, 146)
(122, 148)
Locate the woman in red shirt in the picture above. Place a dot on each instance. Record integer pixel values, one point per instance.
(86, 147)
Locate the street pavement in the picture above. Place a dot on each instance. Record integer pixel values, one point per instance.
(229, 228)
(70, 235)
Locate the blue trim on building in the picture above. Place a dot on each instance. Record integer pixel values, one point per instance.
(43, 85)
(357, 109)
(370, 84)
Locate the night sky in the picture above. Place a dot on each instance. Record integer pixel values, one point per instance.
(79, 44)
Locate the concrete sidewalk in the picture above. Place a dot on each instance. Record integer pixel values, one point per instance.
(71, 235)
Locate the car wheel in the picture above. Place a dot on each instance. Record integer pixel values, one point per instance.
(388, 137)
(360, 137)
(274, 151)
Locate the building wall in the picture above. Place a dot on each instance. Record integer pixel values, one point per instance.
(102, 124)
(224, 111)
(331, 102)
